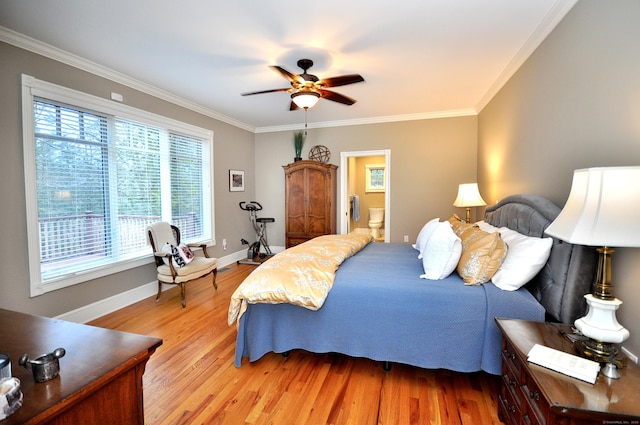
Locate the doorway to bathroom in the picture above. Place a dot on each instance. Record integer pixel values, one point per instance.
(365, 190)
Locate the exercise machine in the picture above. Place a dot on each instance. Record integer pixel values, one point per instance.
(260, 226)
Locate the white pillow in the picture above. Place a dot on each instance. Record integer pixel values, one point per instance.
(425, 234)
(486, 227)
(526, 256)
(442, 252)
(167, 249)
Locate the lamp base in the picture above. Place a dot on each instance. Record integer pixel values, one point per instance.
(600, 323)
(601, 352)
(602, 327)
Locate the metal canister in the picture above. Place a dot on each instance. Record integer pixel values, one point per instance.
(5, 366)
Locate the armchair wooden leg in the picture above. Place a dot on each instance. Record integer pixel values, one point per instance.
(159, 291)
(182, 292)
(215, 275)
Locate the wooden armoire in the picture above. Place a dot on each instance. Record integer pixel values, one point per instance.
(310, 200)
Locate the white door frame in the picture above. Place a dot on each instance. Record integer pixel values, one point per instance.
(344, 196)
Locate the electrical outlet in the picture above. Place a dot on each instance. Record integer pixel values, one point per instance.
(406, 238)
(224, 244)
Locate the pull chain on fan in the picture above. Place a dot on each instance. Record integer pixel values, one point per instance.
(305, 121)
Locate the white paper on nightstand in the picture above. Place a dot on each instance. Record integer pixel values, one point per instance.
(568, 364)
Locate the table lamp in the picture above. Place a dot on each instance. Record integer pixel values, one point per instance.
(469, 196)
(601, 211)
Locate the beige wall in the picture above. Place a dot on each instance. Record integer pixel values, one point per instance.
(575, 103)
(429, 158)
(233, 148)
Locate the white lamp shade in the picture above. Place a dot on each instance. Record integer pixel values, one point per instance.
(469, 196)
(305, 99)
(602, 209)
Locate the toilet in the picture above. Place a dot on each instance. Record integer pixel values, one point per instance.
(376, 219)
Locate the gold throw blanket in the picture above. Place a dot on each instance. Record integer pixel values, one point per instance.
(302, 275)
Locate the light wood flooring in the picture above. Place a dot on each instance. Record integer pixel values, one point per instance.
(191, 378)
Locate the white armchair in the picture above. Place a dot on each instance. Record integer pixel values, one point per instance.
(159, 234)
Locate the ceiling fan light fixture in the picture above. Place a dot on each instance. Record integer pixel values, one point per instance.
(305, 99)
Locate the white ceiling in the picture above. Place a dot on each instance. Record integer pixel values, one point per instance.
(419, 58)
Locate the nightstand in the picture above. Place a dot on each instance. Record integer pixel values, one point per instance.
(531, 394)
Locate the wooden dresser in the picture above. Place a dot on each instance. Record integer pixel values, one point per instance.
(531, 394)
(310, 200)
(100, 379)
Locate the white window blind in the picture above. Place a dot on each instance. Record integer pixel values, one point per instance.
(186, 163)
(70, 171)
(100, 179)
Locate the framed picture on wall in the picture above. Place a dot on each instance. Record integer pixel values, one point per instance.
(236, 181)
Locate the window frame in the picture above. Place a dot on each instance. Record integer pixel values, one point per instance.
(369, 186)
(34, 88)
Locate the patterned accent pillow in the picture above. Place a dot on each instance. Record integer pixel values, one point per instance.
(177, 258)
(458, 224)
(181, 254)
(482, 252)
(185, 252)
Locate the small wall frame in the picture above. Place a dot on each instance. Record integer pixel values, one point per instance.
(236, 181)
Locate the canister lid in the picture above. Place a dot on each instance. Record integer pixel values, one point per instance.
(4, 360)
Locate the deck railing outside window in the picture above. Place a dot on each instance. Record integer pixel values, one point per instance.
(66, 238)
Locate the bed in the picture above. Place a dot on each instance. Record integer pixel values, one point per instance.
(379, 307)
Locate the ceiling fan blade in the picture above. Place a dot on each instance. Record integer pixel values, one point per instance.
(264, 91)
(342, 80)
(293, 106)
(336, 97)
(286, 74)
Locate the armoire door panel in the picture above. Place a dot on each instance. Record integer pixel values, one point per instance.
(297, 224)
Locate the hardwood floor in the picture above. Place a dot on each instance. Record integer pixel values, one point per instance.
(191, 377)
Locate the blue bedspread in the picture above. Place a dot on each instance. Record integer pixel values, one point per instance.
(379, 308)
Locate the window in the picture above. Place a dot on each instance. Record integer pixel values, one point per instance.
(97, 173)
(374, 178)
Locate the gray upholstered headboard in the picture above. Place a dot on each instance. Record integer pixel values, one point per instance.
(570, 271)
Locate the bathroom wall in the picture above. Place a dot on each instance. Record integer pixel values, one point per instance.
(357, 175)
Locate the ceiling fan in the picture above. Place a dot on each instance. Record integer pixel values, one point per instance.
(306, 88)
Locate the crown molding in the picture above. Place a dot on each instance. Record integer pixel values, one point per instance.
(373, 120)
(51, 52)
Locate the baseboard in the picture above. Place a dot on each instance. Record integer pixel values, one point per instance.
(632, 357)
(97, 309)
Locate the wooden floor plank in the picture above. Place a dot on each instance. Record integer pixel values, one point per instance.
(191, 377)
